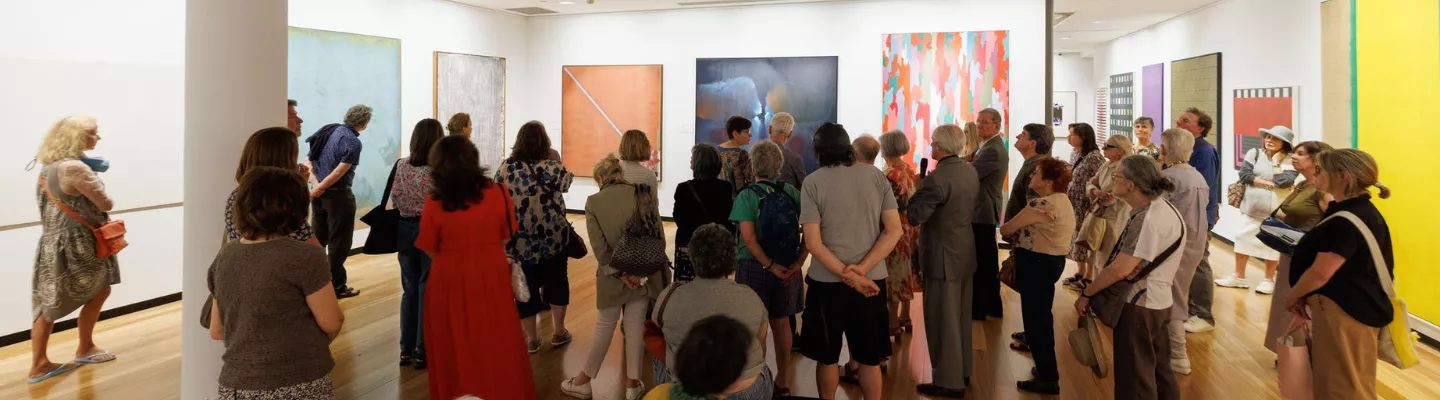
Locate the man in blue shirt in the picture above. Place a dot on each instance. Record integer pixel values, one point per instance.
(1206, 160)
(334, 152)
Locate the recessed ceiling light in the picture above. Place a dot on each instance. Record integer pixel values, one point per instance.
(1098, 22)
(1065, 38)
(567, 2)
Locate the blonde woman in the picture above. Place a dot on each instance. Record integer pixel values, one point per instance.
(1103, 202)
(459, 125)
(971, 136)
(68, 275)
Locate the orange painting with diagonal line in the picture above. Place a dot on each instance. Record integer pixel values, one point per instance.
(599, 103)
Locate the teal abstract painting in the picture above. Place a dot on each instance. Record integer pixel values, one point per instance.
(329, 72)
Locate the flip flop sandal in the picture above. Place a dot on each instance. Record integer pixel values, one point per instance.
(97, 358)
(346, 293)
(54, 373)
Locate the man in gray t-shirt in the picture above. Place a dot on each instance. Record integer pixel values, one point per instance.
(843, 207)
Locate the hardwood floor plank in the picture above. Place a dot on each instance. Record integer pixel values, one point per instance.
(1228, 363)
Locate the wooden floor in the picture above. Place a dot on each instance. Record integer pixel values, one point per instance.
(1229, 363)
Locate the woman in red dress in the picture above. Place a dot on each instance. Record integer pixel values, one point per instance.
(474, 346)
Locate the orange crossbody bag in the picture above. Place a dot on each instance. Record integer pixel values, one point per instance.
(109, 237)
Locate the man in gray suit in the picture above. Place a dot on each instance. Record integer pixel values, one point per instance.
(943, 208)
(991, 163)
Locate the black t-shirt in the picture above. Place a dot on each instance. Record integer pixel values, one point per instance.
(718, 198)
(1355, 286)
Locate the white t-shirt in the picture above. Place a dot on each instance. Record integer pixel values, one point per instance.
(1151, 230)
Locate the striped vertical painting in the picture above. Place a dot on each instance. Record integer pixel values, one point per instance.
(1257, 109)
(1102, 110)
(1122, 105)
(932, 79)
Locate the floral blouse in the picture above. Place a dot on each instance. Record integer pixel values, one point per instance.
(1151, 150)
(736, 167)
(411, 188)
(902, 183)
(537, 190)
(232, 235)
(1083, 170)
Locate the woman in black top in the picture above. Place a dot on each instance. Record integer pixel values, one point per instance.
(1334, 264)
(699, 201)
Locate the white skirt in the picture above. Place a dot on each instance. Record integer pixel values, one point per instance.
(1246, 243)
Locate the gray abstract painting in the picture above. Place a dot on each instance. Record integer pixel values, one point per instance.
(475, 85)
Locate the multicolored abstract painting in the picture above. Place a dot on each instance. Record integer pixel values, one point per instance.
(598, 103)
(1257, 109)
(759, 88)
(932, 79)
(370, 76)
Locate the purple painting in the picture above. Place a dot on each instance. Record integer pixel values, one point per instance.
(1152, 95)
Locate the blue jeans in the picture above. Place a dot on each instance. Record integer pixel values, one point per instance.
(414, 271)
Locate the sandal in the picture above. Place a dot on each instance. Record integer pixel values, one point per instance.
(406, 360)
(60, 369)
(898, 332)
(97, 358)
(848, 375)
(1074, 278)
(1018, 336)
(780, 392)
(346, 292)
(906, 323)
(419, 362)
(1020, 346)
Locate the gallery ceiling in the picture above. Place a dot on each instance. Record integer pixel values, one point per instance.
(1092, 22)
(1083, 24)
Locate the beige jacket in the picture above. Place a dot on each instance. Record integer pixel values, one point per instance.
(606, 213)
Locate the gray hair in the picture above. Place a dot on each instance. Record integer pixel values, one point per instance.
(948, 138)
(1178, 144)
(1122, 142)
(1145, 173)
(783, 122)
(894, 144)
(712, 251)
(359, 115)
(994, 114)
(766, 159)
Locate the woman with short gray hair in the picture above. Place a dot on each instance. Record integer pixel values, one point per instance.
(684, 304)
(774, 274)
(1153, 237)
(902, 283)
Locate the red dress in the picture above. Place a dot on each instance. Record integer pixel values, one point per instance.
(472, 333)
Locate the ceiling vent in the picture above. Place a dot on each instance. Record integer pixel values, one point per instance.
(718, 2)
(531, 10)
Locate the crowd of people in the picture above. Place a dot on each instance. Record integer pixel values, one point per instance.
(1135, 217)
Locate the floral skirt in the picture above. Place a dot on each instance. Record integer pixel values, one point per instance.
(319, 389)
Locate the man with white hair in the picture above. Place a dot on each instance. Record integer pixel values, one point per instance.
(782, 127)
(334, 152)
(1191, 196)
(943, 208)
(992, 162)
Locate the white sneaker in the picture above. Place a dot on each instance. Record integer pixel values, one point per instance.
(569, 388)
(1265, 287)
(1197, 325)
(1232, 281)
(1180, 365)
(635, 393)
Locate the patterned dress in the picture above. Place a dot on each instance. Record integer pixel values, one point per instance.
(1082, 170)
(902, 282)
(1151, 150)
(319, 389)
(67, 272)
(537, 191)
(735, 167)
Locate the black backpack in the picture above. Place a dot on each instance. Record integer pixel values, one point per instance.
(778, 223)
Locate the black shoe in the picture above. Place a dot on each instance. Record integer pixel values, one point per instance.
(1018, 336)
(1038, 386)
(419, 362)
(851, 376)
(346, 292)
(406, 360)
(929, 389)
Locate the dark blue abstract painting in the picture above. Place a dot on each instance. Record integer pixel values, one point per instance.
(759, 88)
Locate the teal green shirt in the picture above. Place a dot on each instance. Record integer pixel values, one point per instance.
(747, 208)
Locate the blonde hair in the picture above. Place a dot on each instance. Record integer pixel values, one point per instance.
(1178, 144)
(1122, 142)
(971, 138)
(1363, 171)
(783, 122)
(69, 138)
(607, 171)
(634, 146)
(458, 123)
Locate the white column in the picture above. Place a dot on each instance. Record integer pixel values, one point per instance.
(235, 53)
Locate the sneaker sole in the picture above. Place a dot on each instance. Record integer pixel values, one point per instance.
(575, 394)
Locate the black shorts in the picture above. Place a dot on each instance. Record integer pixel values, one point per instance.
(834, 310)
(549, 284)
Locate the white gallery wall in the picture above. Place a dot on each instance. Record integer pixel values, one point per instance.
(123, 63)
(1265, 43)
(1072, 73)
(850, 30)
